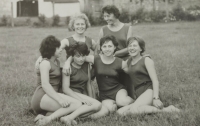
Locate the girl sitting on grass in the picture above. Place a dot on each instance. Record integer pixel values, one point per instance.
(112, 93)
(46, 97)
(77, 83)
(144, 80)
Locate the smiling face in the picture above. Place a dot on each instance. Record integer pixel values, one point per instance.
(79, 26)
(109, 18)
(108, 48)
(134, 48)
(79, 59)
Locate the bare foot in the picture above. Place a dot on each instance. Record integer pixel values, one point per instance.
(123, 111)
(68, 121)
(171, 108)
(43, 121)
(38, 117)
(114, 108)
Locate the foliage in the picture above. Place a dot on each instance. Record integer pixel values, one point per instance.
(157, 16)
(124, 16)
(56, 20)
(42, 22)
(95, 20)
(5, 20)
(190, 14)
(139, 15)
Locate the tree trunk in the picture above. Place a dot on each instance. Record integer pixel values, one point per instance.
(167, 10)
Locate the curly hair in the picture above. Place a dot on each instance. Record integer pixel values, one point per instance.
(78, 16)
(48, 46)
(108, 38)
(140, 41)
(78, 47)
(111, 9)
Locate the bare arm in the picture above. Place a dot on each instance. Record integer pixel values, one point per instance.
(90, 59)
(124, 51)
(66, 67)
(152, 73)
(66, 87)
(44, 72)
(67, 90)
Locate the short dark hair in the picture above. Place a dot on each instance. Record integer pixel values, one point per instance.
(48, 46)
(78, 47)
(111, 9)
(140, 41)
(108, 38)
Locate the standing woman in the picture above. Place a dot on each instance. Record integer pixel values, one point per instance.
(121, 32)
(46, 97)
(117, 29)
(144, 80)
(79, 24)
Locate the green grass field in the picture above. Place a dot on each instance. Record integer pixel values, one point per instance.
(175, 48)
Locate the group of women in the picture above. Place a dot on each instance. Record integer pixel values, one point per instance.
(67, 93)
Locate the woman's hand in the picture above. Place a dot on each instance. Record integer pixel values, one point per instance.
(64, 103)
(157, 103)
(66, 69)
(86, 102)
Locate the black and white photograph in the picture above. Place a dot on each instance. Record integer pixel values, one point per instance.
(99, 62)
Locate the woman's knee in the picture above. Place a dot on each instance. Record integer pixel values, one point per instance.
(122, 98)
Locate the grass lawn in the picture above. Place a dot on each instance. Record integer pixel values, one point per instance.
(175, 48)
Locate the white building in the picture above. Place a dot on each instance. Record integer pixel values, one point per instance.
(32, 8)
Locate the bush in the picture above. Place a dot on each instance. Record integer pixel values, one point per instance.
(42, 21)
(28, 21)
(95, 21)
(4, 21)
(178, 12)
(124, 16)
(139, 15)
(157, 16)
(56, 20)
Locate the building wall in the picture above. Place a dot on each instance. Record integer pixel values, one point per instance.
(5, 7)
(61, 9)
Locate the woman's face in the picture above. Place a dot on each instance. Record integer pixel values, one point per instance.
(108, 48)
(109, 18)
(79, 26)
(134, 48)
(58, 52)
(79, 59)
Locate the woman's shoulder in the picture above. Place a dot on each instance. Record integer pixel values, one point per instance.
(45, 63)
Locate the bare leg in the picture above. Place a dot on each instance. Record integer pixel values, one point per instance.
(122, 98)
(48, 104)
(96, 106)
(143, 104)
(108, 106)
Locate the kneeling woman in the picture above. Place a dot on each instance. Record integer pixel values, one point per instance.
(144, 81)
(74, 84)
(46, 97)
